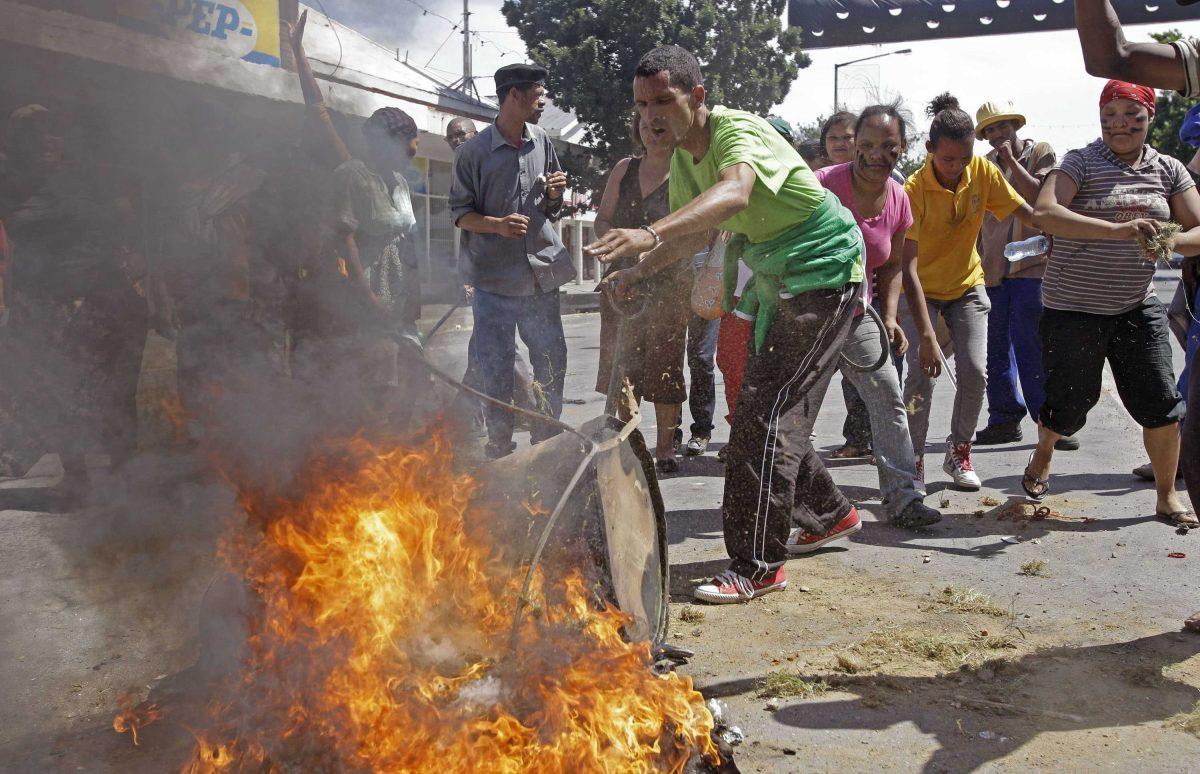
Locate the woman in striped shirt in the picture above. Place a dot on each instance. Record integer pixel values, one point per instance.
(1098, 290)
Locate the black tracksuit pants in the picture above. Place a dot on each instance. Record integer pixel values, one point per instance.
(774, 478)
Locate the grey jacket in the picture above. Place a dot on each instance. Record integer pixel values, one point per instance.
(493, 178)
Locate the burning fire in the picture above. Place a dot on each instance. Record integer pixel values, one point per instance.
(380, 642)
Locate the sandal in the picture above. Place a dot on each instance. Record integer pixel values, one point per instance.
(848, 452)
(1178, 518)
(1028, 482)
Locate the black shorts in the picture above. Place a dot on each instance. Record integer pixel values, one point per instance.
(1136, 345)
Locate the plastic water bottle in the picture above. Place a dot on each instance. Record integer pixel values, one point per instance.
(1027, 248)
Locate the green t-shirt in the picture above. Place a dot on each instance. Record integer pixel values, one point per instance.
(785, 193)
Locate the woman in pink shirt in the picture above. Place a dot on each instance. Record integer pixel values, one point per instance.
(881, 208)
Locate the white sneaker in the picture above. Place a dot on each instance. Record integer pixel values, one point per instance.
(958, 467)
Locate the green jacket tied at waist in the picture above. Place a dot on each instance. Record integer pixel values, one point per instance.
(825, 251)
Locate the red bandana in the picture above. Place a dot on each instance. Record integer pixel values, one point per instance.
(1143, 95)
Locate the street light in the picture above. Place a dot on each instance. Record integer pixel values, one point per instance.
(838, 67)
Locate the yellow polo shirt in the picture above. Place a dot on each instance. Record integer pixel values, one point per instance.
(946, 224)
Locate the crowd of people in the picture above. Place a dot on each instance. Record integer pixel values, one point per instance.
(827, 258)
(1031, 270)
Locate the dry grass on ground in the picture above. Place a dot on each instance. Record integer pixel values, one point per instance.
(1035, 568)
(1187, 721)
(960, 599)
(946, 650)
(782, 685)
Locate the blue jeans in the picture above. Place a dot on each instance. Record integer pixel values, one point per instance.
(1189, 452)
(1014, 351)
(883, 401)
(538, 319)
(1191, 344)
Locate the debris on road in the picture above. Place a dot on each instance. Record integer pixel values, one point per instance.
(1035, 568)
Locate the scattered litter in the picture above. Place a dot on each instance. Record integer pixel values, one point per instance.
(729, 734)
(1114, 554)
(1036, 541)
(1177, 555)
(691, 614)
(986, 735)
(574, 401)
(717, 710)
(989, 501)
(805, 589)
(788, 751)
(1011, 540)
(945, 502)
(773, 705)
(926, 560)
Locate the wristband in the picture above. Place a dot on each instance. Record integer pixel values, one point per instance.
(653, 233)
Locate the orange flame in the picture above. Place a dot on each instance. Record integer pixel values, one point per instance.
(132, 717)
(381, 642)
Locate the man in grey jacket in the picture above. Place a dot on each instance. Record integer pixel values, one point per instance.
(507, 192)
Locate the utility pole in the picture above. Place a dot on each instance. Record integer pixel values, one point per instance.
(468, 77)
(466, 84)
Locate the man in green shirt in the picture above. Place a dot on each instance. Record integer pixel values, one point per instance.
(733, 171)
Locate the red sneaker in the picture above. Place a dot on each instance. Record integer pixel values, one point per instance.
(801, 542)
(729, 586)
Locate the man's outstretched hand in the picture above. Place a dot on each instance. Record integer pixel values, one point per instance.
(620, 243)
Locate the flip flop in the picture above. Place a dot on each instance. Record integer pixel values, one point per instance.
(1044, 483)
(1175, 518)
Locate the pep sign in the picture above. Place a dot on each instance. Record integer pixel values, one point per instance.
(246, 29)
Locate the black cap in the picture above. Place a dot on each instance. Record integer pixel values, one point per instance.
(519, 75)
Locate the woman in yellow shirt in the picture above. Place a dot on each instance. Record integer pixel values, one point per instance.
(949, 197)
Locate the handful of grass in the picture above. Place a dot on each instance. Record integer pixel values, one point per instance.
(1158, 247)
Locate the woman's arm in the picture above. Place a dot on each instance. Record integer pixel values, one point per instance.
(1107, 54)
(1052, 216)
(1185, 210)
(334, 145)
(608, 202)
(914, 294)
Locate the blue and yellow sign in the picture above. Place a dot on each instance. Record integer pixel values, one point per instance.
(246, 29)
